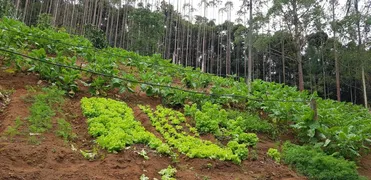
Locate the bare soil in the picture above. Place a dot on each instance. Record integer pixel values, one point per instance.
(49, 157)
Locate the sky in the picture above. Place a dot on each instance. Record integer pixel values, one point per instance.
(213, 12)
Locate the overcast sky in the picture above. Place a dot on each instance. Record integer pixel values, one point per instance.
(212, 13)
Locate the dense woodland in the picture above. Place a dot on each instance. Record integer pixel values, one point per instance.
(315, 45)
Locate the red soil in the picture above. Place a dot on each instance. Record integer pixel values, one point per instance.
(53, 158)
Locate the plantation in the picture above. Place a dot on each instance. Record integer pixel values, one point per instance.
(123, 102)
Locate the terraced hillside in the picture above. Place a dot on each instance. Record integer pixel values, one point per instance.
(70, 110)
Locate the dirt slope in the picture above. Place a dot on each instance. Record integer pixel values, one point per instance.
(22, 158)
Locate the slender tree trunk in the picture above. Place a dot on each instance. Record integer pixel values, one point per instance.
(56, 13)
(50, 6)
(17, 8)
(31, 15)
(212, 52)
(283, 61)
(117, 23)
(298, 46)
(25, 11)
(337, 71)
(95, 12)
(108, 22)
(65, 14)
(72, 17)
(364, 87)
(250, 62)
(111, 27)
(203, 66)
(41, 7)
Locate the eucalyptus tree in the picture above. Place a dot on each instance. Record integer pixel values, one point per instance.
(221, 12)
(229, 7)
(119, 6)
(205, 6)
(334, 3)
(354, 17)
(214, 5)
(298, 16)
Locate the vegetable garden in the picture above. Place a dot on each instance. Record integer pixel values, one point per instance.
(194, 104)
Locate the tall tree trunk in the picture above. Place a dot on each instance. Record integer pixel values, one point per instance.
(101, 4)
(50, 6)
(212, 52)
(364, 87)
(108, 22)
(17, 8)
(250, 62)
(25, 11)
(41, 7)
(298, 46)
(283, 60)
(117, 23)
(31, 15)
(111, 28)
(95, 12)
(66, 5)
(72, 17)
(203, 66)
(56, 13)
(337, 71)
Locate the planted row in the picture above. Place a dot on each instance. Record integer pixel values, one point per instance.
(212, 118)
(113, 124)
(163, 119)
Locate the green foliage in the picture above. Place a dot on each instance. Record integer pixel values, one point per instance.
(193, 80)
(96, 36)
(64, 130)
(44, 21)
(146, 30)
(274, 154)
(168, 173)
(41, 110)
(239, 149)
(341, 127)
(317, 165)
(113, 123)
(143, 177)
(11, 131)
(6, 8)
(89, 155)
(143, 153)
(250, 139)
(190, 145)
(34, 140)
(213, 119)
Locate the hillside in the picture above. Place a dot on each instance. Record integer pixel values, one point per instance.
(152, 114)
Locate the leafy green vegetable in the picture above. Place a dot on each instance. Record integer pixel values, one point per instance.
(168, 173)
(274, 154)
(113, 123)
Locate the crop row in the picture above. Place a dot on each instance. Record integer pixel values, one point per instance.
(166, 121)
(113, 124)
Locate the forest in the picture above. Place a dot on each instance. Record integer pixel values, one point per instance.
(320, 46)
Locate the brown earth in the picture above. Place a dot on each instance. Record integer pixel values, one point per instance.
(49, 157)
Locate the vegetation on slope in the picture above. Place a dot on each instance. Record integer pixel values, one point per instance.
(340, 127)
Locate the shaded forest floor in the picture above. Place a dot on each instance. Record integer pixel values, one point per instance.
(47, 156)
